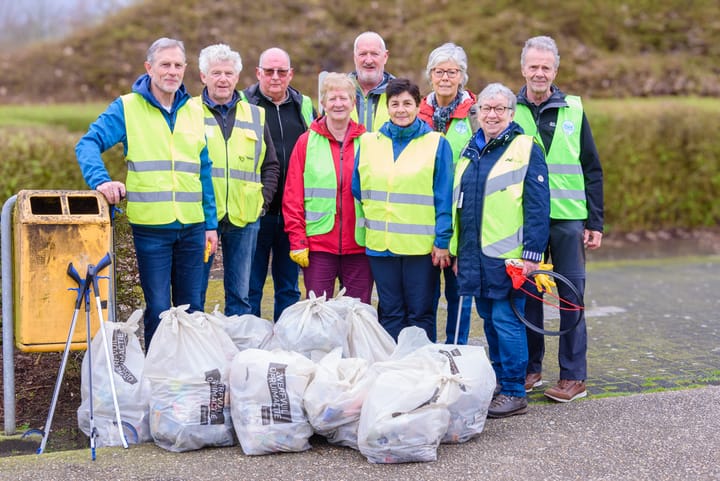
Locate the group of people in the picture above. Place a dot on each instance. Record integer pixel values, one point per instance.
(385, 188)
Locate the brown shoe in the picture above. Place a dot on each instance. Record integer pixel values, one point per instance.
(532, 380)
(566, 390)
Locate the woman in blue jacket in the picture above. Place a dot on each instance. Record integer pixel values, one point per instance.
(501, 208)
(403, 180)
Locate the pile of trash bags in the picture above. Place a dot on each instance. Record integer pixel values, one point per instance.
(326, 367)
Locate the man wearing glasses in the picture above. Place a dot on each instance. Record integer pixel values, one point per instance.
(559, 124)
(288, 114)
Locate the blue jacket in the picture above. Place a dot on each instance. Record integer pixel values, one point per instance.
(478, 274)
(109, 129)
(442, 177)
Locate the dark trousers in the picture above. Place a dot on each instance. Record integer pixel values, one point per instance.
(567, 254)
(405, 287)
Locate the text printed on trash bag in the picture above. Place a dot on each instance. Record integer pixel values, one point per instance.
(212, 413)
(279, 409)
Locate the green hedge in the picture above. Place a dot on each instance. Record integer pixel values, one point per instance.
(661, 161)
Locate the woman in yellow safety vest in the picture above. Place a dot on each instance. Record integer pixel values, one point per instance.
(450, 110)
(318, 206)
(501, 210)
(403, 179)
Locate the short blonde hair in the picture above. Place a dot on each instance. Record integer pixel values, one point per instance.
(337, 81)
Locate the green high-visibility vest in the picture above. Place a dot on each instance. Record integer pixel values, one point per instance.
(320, 182)
(566, 179)
(502, 217)
(237, 163)
(397, 196)
(458, 135)
(306, 107)
(374, 118)
(163, 179)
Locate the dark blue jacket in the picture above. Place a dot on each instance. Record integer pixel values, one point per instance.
(478, 274)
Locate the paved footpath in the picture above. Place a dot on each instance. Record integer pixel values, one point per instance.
(653, 412)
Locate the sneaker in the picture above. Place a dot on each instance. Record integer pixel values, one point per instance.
(498, 388)
(566, 390)
(503, 406)
(533, 380)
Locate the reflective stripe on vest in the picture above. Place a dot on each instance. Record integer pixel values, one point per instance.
(502, 216)
(320, 183)
(237, 163)
(566, 179)
(374, 117)
(397, 195)
(163, 179)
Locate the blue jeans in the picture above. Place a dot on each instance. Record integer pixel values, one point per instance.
(170, 262)
(272, 239)
(507, 344)
(403, 284)
(453, 301)
(238, 248)
(567, 255)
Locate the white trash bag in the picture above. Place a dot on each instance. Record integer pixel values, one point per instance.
(469, 412)
(367, 339)
(311, 327)
(405, 413)
(335, 396)
(187, 365)
(246, 331)
(266, 397)
(131, 387)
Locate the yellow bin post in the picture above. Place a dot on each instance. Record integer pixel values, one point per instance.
(53, 228)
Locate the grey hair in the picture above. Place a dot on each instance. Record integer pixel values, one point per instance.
(276, 49)
(162, 44)
(543, 42)
(495, 89)
(220, 52)
(375, 35)
(448, 52)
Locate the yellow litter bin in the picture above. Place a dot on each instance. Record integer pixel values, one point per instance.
(53, 228)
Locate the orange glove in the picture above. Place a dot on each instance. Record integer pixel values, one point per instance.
(301, 257)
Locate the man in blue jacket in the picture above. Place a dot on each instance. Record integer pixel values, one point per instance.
(170, 199)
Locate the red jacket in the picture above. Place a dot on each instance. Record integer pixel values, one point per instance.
(462, 110)
(341, 239)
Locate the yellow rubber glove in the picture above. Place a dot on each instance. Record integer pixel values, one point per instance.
(208, 246)
(544, 282)
(301, 257)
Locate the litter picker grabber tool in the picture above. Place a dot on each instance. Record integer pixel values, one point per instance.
(82, 292)
(88, 353)
(92, 279)
(457, 322)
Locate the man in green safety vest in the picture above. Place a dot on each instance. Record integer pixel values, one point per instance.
(245, 170)
(559, 124)
(371, 79)
(170, 199)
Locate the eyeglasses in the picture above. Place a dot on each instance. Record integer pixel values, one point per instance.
(501, 109)
(439, 73)
(281, 72)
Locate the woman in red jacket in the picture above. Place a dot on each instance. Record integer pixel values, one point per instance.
(318, 206)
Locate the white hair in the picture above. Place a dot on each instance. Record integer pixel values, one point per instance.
(220, 52)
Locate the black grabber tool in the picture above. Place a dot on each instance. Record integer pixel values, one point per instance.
(82, 292)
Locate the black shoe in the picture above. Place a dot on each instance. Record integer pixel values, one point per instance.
(503, 406)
